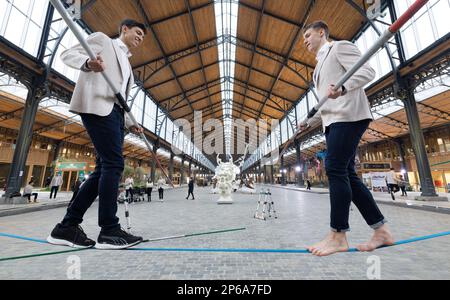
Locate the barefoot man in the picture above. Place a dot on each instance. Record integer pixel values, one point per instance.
(345, 118)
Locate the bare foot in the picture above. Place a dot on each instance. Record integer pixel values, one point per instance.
(333, 243)
(319, 244)
(381, 237)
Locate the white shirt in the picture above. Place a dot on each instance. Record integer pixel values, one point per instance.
(56, 181)
(390, 178)
(161, 183)
(28, 189)
(323, 52)
(129, 183)
(124, 61)
(321, 55)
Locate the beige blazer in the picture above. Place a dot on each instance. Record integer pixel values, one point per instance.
(92, 93)
(354, 105)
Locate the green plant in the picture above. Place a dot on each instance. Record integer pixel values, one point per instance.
(139, 177)
(127, 171)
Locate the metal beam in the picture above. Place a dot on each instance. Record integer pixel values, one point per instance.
(433, 111)
(238, 93)
(158, 42)
(261, 14)
(45, 32)
(393, 122)
(194, 90)
(291, 49)
(160, 63)
(10, 114)
(277, 17)
(245, 108)
(262, 92)
(194, 31)
(378, 134)
(156, 85)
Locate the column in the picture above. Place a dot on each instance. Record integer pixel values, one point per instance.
(401, 151)
(153, 172)
(258, 178)
(190, 168)
(182, 171)
(299, 174)
(418, 143)
(271, 174)
(283, 174)
(265, 175)
(171, 166)
(289, 174)
(24, 139)
(55, 157)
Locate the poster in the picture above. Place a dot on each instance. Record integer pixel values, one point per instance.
(378, 180)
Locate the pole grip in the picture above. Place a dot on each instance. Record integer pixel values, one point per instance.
(123, 103)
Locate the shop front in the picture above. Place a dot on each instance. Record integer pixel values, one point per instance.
(71, 171)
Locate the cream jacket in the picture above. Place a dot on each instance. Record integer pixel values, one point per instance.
(92, 94)
(354, 105)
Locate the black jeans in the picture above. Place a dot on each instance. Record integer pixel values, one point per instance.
(393, 187)
(149, 194)
(53, 191)
(29, 196)
(161, 193)
(403, 188)
(74, 195)
(130, 193)
(345, 186)
(107, 135)
(190, 192)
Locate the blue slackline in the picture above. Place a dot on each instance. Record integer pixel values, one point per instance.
(240, 250)
(237, 250)
(18, 237)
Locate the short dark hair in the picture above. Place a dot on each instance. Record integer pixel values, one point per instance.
(318, 25)
(132, 23)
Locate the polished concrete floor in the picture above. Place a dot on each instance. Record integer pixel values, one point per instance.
(303, 219)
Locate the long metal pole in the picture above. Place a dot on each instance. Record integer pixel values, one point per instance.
(78, 34)
(387, 35)
(192, 234)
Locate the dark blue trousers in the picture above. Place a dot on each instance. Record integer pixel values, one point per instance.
(345, 186)
(107, 135)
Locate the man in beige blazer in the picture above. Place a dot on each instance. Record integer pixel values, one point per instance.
(104, 120)
(345, 117)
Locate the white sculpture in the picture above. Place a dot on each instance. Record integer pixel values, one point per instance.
(225, 174)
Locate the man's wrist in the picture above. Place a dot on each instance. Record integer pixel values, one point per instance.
(85, 67)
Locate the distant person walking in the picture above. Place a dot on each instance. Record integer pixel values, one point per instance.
(161, 183)
(402, 184)
(55, 184)
(392, 183)
(191, 189)
(129, 182)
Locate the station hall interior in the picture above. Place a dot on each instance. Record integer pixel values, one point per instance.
(219, 81)
(229, 60)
